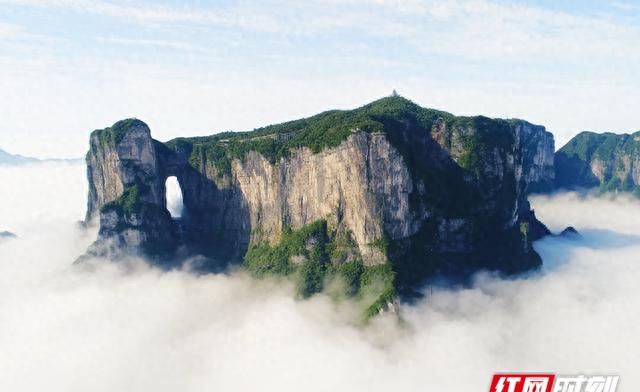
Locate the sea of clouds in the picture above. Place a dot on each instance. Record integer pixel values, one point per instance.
(114, 327)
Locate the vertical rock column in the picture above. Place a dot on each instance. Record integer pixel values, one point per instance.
(126, 192)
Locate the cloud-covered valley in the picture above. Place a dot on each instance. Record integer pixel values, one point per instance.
(115, 327)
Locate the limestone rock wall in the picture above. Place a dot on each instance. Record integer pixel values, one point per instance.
(363, 185)
(126, 195)
(455, 192)
(112, 166)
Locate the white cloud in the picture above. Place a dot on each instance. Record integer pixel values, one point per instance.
(477, 28)
(626, 6)
(8, 30)
(234, 17)
(608, 212)
(245, 64)
(113, 327)
(179, 45)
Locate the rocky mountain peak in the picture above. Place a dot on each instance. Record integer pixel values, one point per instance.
(389, 191)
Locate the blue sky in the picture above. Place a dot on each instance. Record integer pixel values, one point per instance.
(199, 67)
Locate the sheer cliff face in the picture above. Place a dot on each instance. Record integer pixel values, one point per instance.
(609, 161)
(534, 157)
(426, 192)
(124, 191)
(119, 157)
(518, 157)
(362, 185)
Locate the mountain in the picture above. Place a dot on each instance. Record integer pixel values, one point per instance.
(14, 159)
(11, 159)
(7, 234)
(382, 196)
(605, 160)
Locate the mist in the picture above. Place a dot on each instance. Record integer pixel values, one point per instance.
(174, 197)
(130, 327)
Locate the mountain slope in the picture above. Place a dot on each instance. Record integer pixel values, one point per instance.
(606, 160)
(383, 196)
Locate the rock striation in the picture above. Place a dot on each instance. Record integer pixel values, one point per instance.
(390, 189)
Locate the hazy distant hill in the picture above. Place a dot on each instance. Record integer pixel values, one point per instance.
(7, 234)
(15, 159)
(11, 159)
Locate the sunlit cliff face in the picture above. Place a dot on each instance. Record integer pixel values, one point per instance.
(130, 327)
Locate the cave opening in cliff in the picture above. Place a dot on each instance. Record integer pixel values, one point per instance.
(174, 197)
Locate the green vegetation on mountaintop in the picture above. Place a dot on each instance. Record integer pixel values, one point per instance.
(573, 160)
(588, 145)
(315, 255)
(113, 135)
(329, 129)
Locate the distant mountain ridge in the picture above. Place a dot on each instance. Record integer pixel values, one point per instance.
(14, 159)
(7, 158)
(606, 160)
(7, 234)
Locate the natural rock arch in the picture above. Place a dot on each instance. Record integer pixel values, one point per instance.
(439, 195)
(174, 197)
